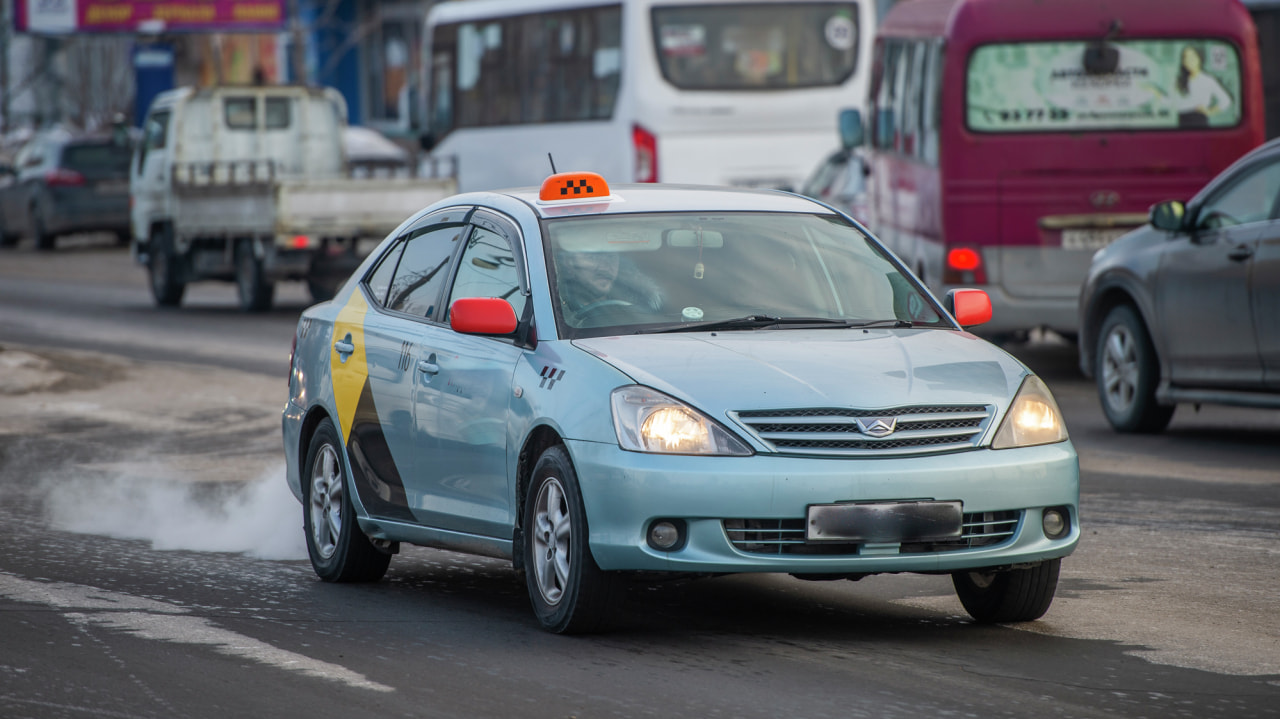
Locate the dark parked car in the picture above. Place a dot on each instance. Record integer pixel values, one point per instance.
(841, 181)
(60, 183)
(1186, 309)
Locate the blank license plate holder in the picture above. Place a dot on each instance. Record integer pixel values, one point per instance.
(883, 522)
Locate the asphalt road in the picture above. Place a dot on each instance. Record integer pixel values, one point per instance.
(153, 564)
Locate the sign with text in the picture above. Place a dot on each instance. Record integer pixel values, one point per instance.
(1121, 85)
(60, 17)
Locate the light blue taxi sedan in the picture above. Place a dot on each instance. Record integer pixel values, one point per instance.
(600, 383)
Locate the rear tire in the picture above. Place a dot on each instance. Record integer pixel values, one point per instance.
(569, 592)
(254, 290)
(339, 551)
(1127, 371)
(323, 290)
(167, 286)
(45, 241)
(1015, 595)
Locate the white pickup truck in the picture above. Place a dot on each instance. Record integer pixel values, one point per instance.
(252, 185)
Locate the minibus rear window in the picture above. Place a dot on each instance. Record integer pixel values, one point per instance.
(751, 47)
(1095, 85)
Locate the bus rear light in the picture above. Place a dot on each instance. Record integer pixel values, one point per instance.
(964, 267)
(646, 148)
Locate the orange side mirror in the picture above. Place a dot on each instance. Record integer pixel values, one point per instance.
(482, 316)
(970, 307)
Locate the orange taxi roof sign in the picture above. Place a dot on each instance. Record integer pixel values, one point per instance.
(573, 186)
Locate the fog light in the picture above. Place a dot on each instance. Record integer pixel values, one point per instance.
(1055, 522)
(666, 534)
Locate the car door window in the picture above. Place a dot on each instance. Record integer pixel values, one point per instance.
(488, 269)
(420, 276)
(379, 280)
(1251, 198)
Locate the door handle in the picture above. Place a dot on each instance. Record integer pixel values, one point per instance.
(428, 367)
(1240, 253)
(344, 346)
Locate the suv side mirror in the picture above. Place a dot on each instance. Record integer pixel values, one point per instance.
(851, 132)
(1170, 216)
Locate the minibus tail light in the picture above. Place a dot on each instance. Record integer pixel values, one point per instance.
(646, 147)
(964, 267)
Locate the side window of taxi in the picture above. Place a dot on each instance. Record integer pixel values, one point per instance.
(488, 269)
(417, 268)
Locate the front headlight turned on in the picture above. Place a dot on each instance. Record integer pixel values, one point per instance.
(647, 420)
(1033, 418)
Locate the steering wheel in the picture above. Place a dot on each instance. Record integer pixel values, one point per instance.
(599, 307)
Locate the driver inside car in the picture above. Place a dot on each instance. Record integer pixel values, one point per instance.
(589, 282)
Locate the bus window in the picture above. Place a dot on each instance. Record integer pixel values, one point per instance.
(533, 68)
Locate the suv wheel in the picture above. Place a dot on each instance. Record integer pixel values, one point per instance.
(1127, 372)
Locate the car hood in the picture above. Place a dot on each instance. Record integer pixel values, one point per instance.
(775, 369)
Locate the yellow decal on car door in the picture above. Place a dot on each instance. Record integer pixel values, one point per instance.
(347, 363)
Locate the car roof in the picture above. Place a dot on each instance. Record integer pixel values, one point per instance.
(636, 198)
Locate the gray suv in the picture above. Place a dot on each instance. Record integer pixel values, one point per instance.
(1186, 309)
(60, 183)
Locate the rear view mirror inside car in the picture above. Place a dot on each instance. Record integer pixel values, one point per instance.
(705, 239)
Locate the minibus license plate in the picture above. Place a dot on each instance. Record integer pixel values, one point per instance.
(883, 522)
(1090, 238)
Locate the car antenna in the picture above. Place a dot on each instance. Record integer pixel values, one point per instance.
(553, 163)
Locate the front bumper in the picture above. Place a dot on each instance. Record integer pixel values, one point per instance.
(625, 491)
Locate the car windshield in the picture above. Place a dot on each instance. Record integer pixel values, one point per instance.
(672, 272)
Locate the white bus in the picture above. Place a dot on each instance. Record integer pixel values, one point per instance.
(721, 92)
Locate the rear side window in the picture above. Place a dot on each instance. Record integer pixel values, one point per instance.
(106, 156)
(379, 281)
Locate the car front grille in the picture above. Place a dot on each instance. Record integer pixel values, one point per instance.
(787, 536)
(844, 432)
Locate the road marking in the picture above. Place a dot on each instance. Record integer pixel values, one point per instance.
(161, 621)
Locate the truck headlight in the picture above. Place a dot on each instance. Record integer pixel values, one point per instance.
(1033, 418)
(647, 420)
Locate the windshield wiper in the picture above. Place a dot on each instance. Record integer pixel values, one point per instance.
(752, 322)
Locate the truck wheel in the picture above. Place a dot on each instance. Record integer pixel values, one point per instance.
(322, 290)
(1016, 595)
(167, 286)
(256, 292)
(7, 237)
(569, 592)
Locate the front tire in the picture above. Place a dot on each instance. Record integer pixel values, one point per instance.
(1127, 372)
(1015, 595)
(339, 551)
(569, 592)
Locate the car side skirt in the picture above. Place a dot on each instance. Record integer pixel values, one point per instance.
(391, 530)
